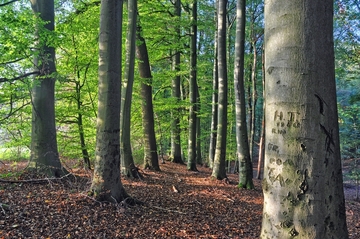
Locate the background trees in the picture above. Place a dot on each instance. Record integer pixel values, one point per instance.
(167, 34)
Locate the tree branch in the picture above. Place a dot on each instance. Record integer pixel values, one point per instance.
(19, 77)
(7, 3)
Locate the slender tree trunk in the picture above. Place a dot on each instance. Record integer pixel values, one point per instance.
(175, 129)
(44, 151)
(128, 167)
(253, 100)
(84, 150)
(151, 160)
(262, 134)
(192, 92)
(198, 129)
(106, 183)
(302, 185)
(214, 100)
(242, 143)
(219, 170)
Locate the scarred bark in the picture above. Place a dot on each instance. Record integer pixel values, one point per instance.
(303, 190)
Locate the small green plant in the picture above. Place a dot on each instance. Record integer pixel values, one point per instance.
(14, 153)
(10, 175)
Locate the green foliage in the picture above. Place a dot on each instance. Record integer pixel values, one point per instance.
(76, 42)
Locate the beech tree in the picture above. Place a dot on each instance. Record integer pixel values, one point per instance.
(128, 167)
(106, 183)
(191, 165)
(214, 98)
(44, 151)
(303, 188)
(150, 148)
(175, 128)
(242, 143)
(219, 171)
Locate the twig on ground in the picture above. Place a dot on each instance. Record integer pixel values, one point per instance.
(41, 180)
(169, 210)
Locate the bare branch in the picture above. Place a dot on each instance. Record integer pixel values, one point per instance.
(7, 3)
(19, 77)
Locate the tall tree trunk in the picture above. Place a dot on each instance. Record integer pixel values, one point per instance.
(128, 167)
(262, 134)
(44, 151)
(175, 129)
(303, 188)
(214, 100)
(151, 160)
(106, 183)
(191, 165)
(219, 170)
(253, 101)
(198, 129)
(242, 143)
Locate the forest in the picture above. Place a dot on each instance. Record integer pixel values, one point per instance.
(179, 119)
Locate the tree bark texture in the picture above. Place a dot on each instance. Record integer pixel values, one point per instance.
(151, 160)
(253, 101)
(106, 183)
(214, 100)
(191, 165)
(44, 151)
(128, 167)
(175, 128)
(302, 185)
(219, 170)
(242, 143)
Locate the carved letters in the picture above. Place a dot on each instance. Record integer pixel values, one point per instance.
(285, 121)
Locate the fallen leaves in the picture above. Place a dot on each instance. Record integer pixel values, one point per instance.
(177, 204)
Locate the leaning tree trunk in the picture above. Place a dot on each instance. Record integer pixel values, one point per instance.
(175, 128)
(242, 143)
(219, 170)
(303, 188)
(44, 151)
(128, 167)
(151, 160)
(191, 165)
(106, 184)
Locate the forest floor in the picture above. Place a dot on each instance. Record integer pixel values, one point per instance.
(177, 204)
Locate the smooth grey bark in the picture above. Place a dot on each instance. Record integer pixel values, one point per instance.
(175, 128)
(214, 99)
(128, 167)
(198, 129)
(151, 160)
(302, 185)
(253, 100)
(242, 143)
(191, 164)
(106, 183)
(219, 170)
(44, 151)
